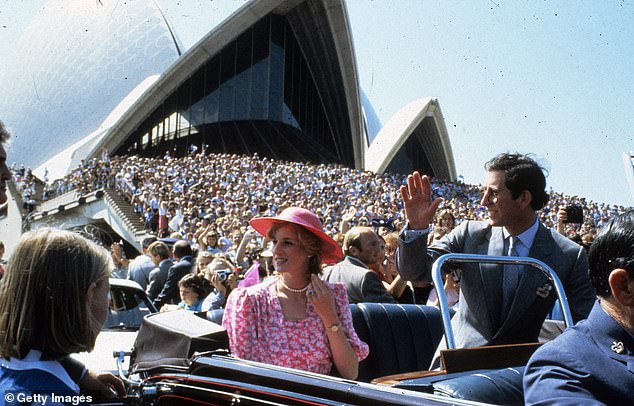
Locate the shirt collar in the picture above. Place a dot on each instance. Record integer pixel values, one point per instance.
(32, 360)
(527, 237)
(357, 261)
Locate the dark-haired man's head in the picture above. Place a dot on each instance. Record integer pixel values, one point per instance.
(611, 261)
(515, 190)
(521, 173)
(612, 249)
(182, 249)
(147, 241)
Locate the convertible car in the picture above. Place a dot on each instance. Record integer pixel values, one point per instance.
(183, 358)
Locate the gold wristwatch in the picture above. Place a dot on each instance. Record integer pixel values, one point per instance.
(334, 328)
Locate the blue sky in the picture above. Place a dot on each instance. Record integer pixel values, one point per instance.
(545, 77)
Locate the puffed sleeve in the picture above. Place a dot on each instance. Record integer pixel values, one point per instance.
(240, 321)
(343, 309)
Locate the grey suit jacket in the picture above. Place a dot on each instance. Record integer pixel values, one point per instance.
(139, 270)
(362, 284)
(478, 321)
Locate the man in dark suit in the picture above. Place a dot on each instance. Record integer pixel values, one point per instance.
(497, 307)
(361, 246)
(170, 293)
(160, 254)
(593, 362)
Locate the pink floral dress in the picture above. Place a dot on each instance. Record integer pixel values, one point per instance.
(258, 331)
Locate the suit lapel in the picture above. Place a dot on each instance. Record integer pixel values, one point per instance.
(542, 248)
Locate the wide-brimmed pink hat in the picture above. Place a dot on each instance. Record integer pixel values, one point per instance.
(330, 250)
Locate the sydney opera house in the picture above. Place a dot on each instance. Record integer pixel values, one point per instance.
(276, 77)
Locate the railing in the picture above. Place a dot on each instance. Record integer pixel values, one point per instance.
(474, 258)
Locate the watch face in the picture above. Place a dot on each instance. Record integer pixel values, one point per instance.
(334, 328)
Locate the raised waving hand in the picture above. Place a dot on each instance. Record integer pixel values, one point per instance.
(420, 209)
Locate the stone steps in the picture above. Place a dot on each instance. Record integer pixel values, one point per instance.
(126, 212)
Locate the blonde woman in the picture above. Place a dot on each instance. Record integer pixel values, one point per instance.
(53, 302)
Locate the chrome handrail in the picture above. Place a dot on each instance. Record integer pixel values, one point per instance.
(120, 358)
(488, 259)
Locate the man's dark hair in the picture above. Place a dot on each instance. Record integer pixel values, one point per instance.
(182, 249)
(522, 173)
(147, 241)
(613, 248)
(4, 133)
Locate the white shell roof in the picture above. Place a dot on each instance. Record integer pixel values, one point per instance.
(77, 61)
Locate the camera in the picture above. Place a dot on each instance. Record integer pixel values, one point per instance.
(387, 223)
(223, 274)
(574, 214)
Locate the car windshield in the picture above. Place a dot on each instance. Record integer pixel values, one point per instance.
(127, 309)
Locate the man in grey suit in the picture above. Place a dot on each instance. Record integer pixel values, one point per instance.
(495, 307)
(361, 246)
(139, 269)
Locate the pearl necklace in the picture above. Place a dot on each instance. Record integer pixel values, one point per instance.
(302, 290)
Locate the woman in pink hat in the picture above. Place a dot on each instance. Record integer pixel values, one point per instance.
(295, 320)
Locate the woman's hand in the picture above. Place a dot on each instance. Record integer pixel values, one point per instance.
(102, 383)
(349, 214)
(322, 298)
(390, 268)
(215, 281)
(117, 255)
(232, 281)
(169, 308)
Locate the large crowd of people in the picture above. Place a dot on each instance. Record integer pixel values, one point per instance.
(215, 195)
(208, 200)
